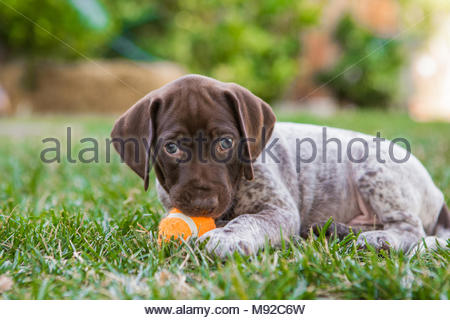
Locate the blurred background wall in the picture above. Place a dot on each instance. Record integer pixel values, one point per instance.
(101, 56)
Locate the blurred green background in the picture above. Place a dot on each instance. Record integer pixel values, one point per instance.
(259, 44)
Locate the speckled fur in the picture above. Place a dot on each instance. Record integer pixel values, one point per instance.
(400, 198)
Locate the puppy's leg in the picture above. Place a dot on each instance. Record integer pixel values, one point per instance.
(402, 230)
(396, 203)
(247, 233)
(265, 210)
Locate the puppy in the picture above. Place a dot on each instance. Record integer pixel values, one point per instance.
(217, 151)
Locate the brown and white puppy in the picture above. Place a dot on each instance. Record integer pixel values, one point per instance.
(218, 152)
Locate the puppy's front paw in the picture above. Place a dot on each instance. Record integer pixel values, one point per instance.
(223, 242)
(379, 239)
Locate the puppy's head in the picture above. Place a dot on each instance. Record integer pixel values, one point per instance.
(201, 135)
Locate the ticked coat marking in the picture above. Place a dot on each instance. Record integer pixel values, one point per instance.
(399, 201)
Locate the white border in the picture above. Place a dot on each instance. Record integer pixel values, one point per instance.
(132, 309)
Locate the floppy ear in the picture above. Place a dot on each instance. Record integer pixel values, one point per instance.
(133, 136)
(256, 121)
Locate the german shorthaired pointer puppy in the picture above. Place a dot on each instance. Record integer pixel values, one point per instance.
(218, 152)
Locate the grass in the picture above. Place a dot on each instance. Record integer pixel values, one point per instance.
(84, 231)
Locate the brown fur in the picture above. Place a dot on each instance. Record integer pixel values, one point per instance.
(194, 112)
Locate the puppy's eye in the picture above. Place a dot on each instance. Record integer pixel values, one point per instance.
(226, 143)
(171, 148)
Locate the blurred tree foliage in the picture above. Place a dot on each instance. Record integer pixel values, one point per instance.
(255, 43)
(368, 71)
(31, 28)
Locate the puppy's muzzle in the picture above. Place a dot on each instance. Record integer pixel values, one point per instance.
(197, 201)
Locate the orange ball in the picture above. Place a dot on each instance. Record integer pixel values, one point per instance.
(178, 225)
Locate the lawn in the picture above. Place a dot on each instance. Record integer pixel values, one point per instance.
(85, 231)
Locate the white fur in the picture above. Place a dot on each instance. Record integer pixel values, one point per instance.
(400, 196)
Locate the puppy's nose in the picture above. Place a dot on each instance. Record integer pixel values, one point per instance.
(198, 183)
(200, 190)
(201, 201)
